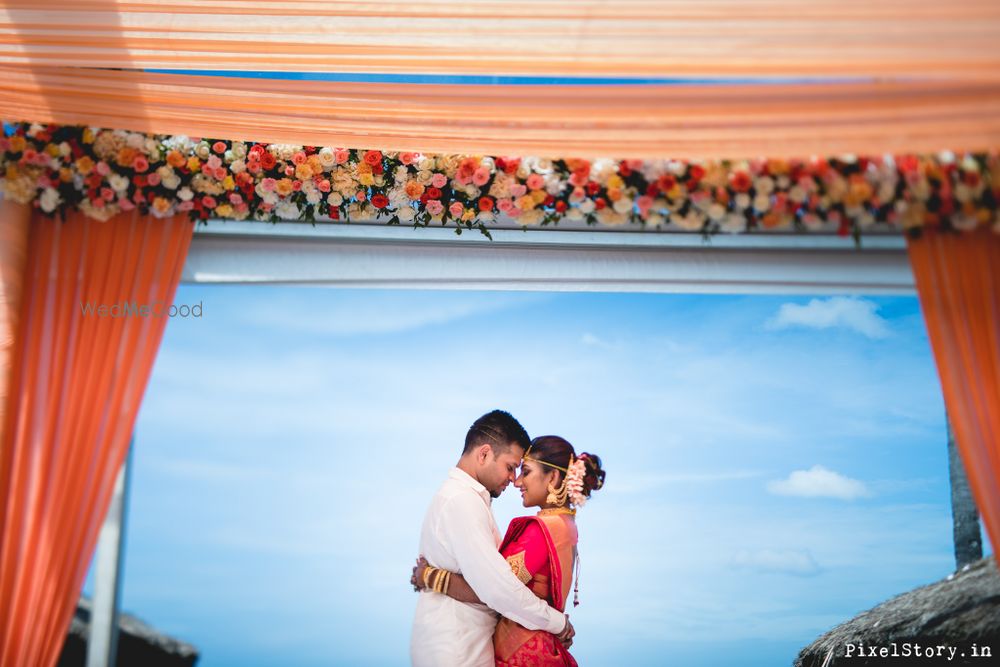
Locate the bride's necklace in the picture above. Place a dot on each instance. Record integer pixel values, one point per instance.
(556, 510)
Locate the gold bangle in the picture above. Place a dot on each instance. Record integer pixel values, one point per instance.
(428, 571)
(447, 582)
(438, 579)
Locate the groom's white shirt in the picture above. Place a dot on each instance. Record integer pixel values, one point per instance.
(460, 534)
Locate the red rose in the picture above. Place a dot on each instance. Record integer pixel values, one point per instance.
(599, 203)
(373, 157)
(549, 201)
(593, 188)
(267, 160)
(741, 181)
(666, 182)
(380, 201)
(561, 206)
(697, 172)
(433, 193)
(624, 170)
(485, 204)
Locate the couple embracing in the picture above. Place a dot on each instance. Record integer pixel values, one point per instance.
(467, 576)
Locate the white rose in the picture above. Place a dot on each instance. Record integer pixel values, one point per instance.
(118, 182)
(716, 212)
(203, 150)
(171, 181)
(574, 213)
(762, 203)
(314, 197)
(238, 166)
(742, 201)
(587, 206)
(287, 210)
(532, 217)
(764, 185)
(692, 222)
(49, 200)
(623, 205)
(334, 199)
(406, 214)
(185, 194)
(135, 140)
(733, 223)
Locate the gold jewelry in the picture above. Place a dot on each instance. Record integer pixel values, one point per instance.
(447, 582)
(438, 580)
(557, 496)
(428, 571)
(546, 511)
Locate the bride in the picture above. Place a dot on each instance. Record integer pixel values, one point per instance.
(540, 549)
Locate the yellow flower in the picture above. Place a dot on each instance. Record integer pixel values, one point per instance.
(225, 210)
(284, 186)
(12, 173)
(85, 165)
(525, 203)
(17, 143)
(52, 150)
(615, 181)
(88, 135)
(228, 183)
(65, 175)
(538, 195)
(303, 172)
(194, 164)
(161, 205)
(366, 179)
(469, 214)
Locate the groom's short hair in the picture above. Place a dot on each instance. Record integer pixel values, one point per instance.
(499, 429)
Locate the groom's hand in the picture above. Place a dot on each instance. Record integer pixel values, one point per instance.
(417, 577)
(566, 636)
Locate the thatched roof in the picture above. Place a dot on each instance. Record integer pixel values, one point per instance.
(961, 610)
(138, 643)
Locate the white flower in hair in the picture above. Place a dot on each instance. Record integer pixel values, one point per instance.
(574, 482)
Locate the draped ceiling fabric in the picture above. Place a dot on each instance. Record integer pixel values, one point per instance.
(13, 253)
(76, 383)
(958, 282)
(720, 78)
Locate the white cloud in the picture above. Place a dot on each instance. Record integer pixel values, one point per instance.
(818, 482)
(779, 561)
(837, 312)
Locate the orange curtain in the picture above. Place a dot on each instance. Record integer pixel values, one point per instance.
(13, 253)
(627, 38)
(958, 281)
(791, 120)
(76, 383)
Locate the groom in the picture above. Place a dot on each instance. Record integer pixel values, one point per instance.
(460, 534)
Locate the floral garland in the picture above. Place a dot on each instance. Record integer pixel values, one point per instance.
(104, 172)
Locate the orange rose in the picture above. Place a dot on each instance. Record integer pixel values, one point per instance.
(176, 159)
(284, 186)
(414, 189)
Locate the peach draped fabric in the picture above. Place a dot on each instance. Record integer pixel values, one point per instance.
(76, 383)
(684, 122)
(958, 281)
(13, 252)
(627, 38)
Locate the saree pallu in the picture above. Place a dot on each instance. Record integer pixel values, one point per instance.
(541, 552)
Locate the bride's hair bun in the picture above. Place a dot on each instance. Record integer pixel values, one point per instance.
(593, 479)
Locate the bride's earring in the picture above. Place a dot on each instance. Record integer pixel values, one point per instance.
(556, 496)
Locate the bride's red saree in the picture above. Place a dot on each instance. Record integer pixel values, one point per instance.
(541, 551)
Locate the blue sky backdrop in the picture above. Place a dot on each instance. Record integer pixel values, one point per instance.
(775, 465)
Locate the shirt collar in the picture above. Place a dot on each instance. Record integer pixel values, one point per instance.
(466, 479)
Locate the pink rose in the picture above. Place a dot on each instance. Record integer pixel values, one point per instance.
(220, 173)
(107, 194)
(214, 162)
(219, 147)
(299, 157)
(235, 198)
(153, 179)
(268, 184)
(517, 190)
(361, 195)
(644, 203)
(140, 164)
(342, 155)
(207, 169)
(536, 182)
(324, 185)
(504, 205)
(185, 206)
(456, 209)
(126, 205)
(481, 176)
(408, 158)
(434, 207)
(439, 180)
(209, 202)
(102, 168)
(98, 203)
(289, 171)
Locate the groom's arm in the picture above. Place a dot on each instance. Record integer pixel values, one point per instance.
(467, 531)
